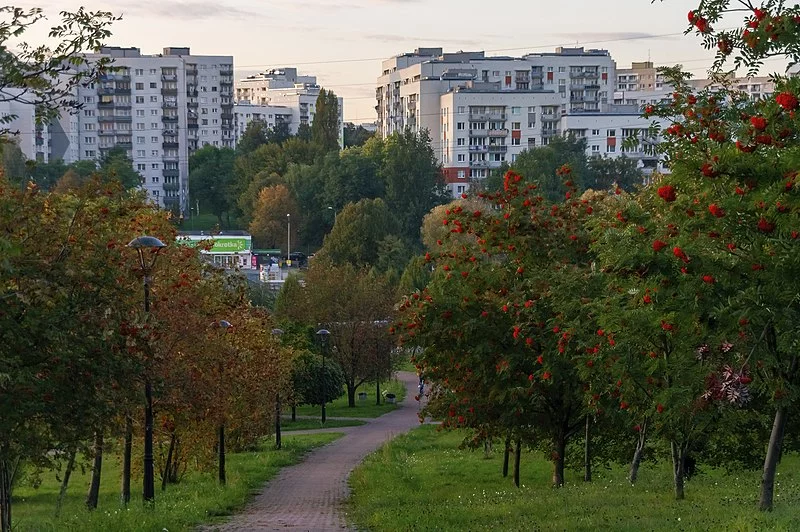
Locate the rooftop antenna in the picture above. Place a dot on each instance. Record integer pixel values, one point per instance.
(648, 55)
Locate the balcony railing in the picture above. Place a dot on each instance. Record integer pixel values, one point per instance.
(169, 119)
(479, 149)
(227, 72)
(169, 91)
(169, 105)
(170, 187)
(551, 118)
(479, 164)
(478, 132)
(167, 145)
(498, 132)
(169, 77)
(498, 149)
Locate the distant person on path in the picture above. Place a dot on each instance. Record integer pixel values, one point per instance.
(421, 385)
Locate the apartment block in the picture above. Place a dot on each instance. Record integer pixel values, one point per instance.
(283, 89)
(483, 126)
(21, 124)
(159, 109)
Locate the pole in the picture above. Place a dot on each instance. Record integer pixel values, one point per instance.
(222, 454)
(288, 240)
(324, 380)
(278, 420)
(148, 491)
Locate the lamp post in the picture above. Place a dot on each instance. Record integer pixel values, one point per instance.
(288, 240)
(323, 334)
(221, 443)
(141, 244)
(277, 333)
(334, 214)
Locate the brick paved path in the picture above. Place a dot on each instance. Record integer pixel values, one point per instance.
(308, 496)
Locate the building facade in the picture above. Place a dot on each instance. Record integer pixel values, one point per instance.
(281, 92)
(159, 109)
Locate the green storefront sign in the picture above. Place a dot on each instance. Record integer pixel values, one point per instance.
(222, 244)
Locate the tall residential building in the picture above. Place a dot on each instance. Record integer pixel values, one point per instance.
(482, 111)
(20, 122)
(285, 89)
(159, 108)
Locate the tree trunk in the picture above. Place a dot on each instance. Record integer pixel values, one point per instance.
(65, 480)
(517, 456)
(771, 460)
(678, 460)
(294, 412)
(278, 421)
(173, 468)
(558, 460)
(94, 486)
(633, 476)
(378, 393)
(125, 490)
(587, 452)
(8, 469)
(487, 448)
(222, 454)
(168, 463)
(505, 455)
(351, 396)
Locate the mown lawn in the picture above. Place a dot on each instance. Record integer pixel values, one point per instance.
(421, 481)
(366, 408)
(287, 425)
(196, 499)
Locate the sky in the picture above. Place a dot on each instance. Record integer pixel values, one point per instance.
(342, 42)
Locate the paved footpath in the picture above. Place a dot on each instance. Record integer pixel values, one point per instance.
(309, 495)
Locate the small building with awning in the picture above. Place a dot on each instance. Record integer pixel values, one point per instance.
(225, 249)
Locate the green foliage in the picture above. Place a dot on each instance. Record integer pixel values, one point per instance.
(116, 165)
(360, 228)
(355, 135)
(210, 175)
(540, 165)
(314, 380)
(412, 177)
(363, 409)
(325, 128)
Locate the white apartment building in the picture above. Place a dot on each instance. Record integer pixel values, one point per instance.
(22, 128)
(159, 108)
(410, 84)
(483, 126)
(270, 115)
(283, 88)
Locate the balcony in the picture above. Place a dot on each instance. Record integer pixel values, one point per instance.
(191, 93)
(226, 72)
(479, 164)
(170, 187)
(478, 149)
(105, 90)
(169, 105)
(551, 118)
(169, 145)
(171, 173)
(226, 116)
(106, 118)
(498, 149)
(192, 125)
(169, 91)
(226, 83)
(106, 133)
(478, 117)
(169, 77)
(105, 104)
(478, 132)
(123, 118)
(169, 119)
(549, 132)
(171, 201)
(192, 104)
(124, 144)
(498, 132)
(122, 90)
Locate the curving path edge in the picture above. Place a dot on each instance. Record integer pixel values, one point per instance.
(309, 495)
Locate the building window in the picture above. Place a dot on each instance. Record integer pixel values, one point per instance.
(461, 174)
(153, 98)
(88, 112)
(155, 166)
(515, 125)
(460, 125)
(140, 126)
(140, 86)
(88, 127)
(88, 99)
(562, 69)
(154, 179)
(459, 142)
(515, 141)
(461, 109)
(88, 140)
(139, 140)
(153, 72)
(595, 132)
(141, 153)
(139, 72)
(612, 133)
(595, 148)
(611, 149)
(154, 153)
(153, 139)
(461, 157)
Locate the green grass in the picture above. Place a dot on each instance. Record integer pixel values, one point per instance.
(287, 425)
(406, 365)
(196, 499)
(204, 222)
(421, 481)
(366, 408)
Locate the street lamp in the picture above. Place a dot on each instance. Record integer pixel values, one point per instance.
(334, 214)
(221, 444)
(323, 334)
(288, 240)
(141, 244)
(277, 333)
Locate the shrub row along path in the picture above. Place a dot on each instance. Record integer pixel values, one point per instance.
(309, 495)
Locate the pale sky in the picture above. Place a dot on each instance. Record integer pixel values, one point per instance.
(342, 41)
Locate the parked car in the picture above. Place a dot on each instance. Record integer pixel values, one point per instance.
(298, 259)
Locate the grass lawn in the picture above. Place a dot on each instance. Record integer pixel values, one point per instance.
(287, 425)
(365, 408)
(197, 499)
(421, 481)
